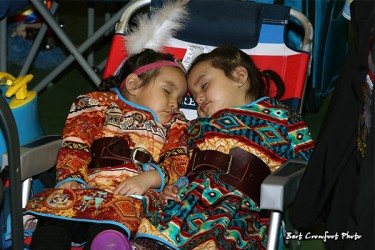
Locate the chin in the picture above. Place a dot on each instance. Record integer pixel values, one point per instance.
(165, 119)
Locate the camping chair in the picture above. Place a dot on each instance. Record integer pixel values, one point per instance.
(8, 125)
(265, 43)
(21, 127)
(255, 40)
(75, 53)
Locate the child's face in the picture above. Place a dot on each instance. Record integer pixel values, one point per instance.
(164, 94)
(212, 90)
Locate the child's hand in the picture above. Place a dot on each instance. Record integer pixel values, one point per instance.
(169, 193)
(139, 184)
(133, 185)
(71, 185)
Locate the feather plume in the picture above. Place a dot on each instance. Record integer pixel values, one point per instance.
(154, 32)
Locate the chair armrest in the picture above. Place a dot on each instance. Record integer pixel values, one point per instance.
(279, 189)
(37, 156)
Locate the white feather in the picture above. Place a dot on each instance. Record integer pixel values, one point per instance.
(153, 32)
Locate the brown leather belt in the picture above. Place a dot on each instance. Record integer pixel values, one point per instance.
(241, 169)
(114, 151)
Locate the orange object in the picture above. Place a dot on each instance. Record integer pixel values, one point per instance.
(49, 3)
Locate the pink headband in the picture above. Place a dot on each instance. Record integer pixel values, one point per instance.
(154, 65)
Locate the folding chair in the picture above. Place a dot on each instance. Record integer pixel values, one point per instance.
(211, 24)
(8, 125)
(20, 127)
(75, 53)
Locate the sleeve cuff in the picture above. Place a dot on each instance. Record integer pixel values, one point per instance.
(183, 181)
(72, 179)
(152, 166)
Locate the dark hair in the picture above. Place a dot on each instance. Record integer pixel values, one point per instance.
(227, 58)
(132, 63)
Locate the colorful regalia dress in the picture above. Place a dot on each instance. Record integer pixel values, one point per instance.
(104, 115)
(212, 214)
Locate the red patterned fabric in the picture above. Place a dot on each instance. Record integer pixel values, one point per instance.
(97, 115)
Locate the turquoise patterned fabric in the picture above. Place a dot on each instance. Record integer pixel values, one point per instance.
(212, 214)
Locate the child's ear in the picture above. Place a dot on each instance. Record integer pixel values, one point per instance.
(241, 75)
(132, 84)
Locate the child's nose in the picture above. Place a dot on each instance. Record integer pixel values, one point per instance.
(173, 104)
(200, 99)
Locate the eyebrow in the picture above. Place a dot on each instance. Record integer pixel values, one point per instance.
(169, 82)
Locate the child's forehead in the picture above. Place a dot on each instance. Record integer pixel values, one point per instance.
(202, 69)
(172, 76)
(168, 69)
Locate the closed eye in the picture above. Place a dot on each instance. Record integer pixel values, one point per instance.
(204, 85)
(167, 91)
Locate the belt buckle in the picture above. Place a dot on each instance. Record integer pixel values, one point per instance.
(133, 153)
